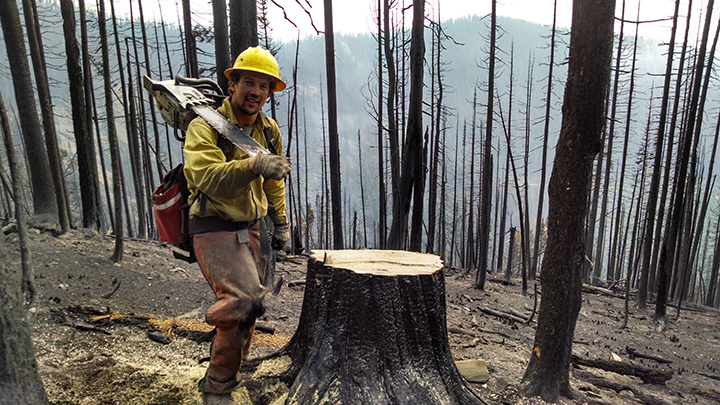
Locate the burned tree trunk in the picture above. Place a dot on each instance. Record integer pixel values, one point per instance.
(373, 331)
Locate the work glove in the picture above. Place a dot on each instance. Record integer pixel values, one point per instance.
(271, 166)
(281, 234)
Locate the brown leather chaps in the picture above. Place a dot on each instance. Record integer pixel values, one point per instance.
(234, 267)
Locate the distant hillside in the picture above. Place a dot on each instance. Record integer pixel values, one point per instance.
(465, 57)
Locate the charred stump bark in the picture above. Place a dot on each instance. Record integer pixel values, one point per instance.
(372, 331)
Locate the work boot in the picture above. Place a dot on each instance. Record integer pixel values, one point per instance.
(217, 399)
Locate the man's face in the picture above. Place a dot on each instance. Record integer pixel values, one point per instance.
(250, 92)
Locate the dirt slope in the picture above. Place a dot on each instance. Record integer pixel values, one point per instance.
(98, 327)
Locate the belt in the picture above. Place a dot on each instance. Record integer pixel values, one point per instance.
(211, 224)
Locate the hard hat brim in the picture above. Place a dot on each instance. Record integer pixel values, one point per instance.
(280, 85)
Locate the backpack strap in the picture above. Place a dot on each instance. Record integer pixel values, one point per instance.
(226, 147)
(269, 139)
(269, 136)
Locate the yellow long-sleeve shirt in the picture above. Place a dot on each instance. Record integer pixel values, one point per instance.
(233, 191)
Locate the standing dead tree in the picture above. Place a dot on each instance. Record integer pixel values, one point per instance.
(487, 161)
(412, 177)
(686, 147)
(112, 135)
(548, 372)
(651, 209)
(45, 207)
(335, 187)
(546, 135)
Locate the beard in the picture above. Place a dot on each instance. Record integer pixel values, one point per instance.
(246, 110)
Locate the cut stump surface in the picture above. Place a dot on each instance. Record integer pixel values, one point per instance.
(373, 331)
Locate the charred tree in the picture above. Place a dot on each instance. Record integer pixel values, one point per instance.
(547, 374)
(112, 135)
(523, 247)
(412, 177)
(333, 141)
(37, 54)
(373, 331)
(675, 116)
(546, 135)
(487, 157)
(503, 210)
(613, 267)
(156, 131)
(600, 242)
(686, 147)
(222, 41)
(694, 212)
(391, 98)
(511, 248)
(382, 194)
(191, 67)
(45, 207)
(20, 381)
(526, 163)
(651, 209)
(243, 25)
(87, 165)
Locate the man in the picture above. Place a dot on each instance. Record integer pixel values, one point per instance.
(230, 192)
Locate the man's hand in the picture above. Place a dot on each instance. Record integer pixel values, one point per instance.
(281, 235)
(270, 166)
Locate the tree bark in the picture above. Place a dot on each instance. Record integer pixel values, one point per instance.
(547, 374)
(391, 95)
(655, 266)
(243, 25)
(44, 204)
(87, 165)
(222, 41)
(373, 331)
(112, 136)
(412, 176)
(191, 67)
(651, 210)
(487, 157)
(20, 382)
(546, 135)
(686, 147)
(613, 267)
(46, 112)
(335, 186)
(600, 243)
(382, 194)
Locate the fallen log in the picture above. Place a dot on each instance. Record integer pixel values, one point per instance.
(647, 375)
(600, 290)
(633, 354)
(519, 314)
(503, 315)
(461, 331)
(603, 382)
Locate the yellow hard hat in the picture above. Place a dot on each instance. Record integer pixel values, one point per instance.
(257, 59)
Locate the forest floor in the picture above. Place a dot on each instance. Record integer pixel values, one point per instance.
(98, 330)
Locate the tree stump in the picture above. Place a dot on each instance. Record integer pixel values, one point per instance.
(373, 331)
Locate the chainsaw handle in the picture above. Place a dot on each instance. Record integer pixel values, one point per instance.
(199, 83)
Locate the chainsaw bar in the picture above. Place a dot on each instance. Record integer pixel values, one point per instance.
(179, 104)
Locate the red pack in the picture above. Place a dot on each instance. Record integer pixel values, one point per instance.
(172, 213)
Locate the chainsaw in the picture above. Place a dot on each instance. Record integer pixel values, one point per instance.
(183, 99)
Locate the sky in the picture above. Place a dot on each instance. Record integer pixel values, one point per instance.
(356, 17)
